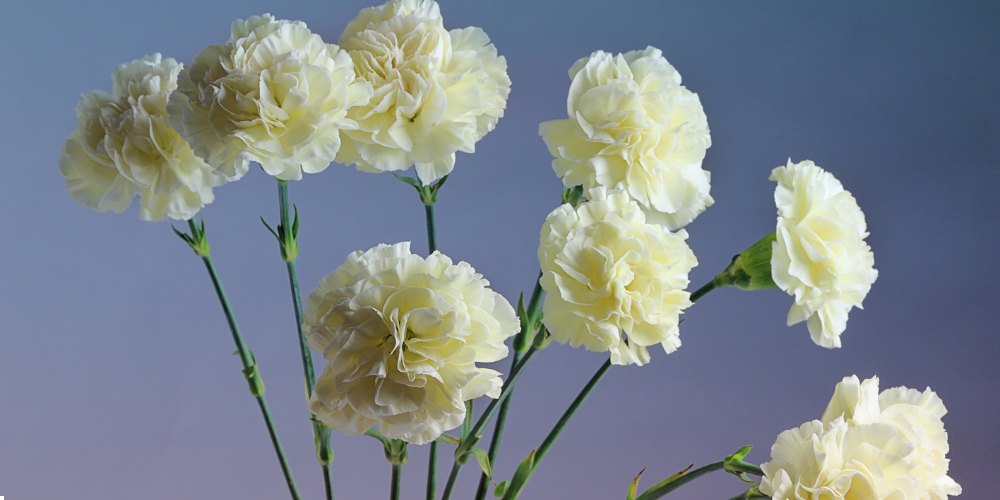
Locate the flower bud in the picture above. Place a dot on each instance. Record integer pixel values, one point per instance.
(751, 269)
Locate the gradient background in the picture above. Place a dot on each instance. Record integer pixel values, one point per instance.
(116, 379)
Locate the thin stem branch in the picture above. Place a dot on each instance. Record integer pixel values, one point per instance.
(432, 454)
(575, 405)
(250, 370)
(534, 304)
(474, 434)
(321, 435)
(717, 282)
(432, 471)
(661, 490)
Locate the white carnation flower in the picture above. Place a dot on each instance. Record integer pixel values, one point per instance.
(867, 445)
(607, 271)
(633, 126)
(275, 93)
(819, 255)
(436, 91)
(402, 336)
(125, 147)
(916, 416)
(837, 461)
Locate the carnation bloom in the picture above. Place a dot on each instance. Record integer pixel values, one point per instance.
(819, 255)
(916, 416)
(607, 271)
(275, 93)
(402, 335)
(633, 126)
(435, 91)
(867, 445)
(124, 147)
(836, 461)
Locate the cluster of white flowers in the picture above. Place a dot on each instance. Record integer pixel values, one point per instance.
(402, 336)
(633, 126)
(607, 271)
(436, 91)
(275, 93)
(124, 147)
(819, 255)
(866, 445)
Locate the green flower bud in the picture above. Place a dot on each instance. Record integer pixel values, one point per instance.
(751, 269)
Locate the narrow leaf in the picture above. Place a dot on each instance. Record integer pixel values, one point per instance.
(271, 229)
(634, 486)
(500, 489)
(409, 180)
(444, 438)
(521, 476)
(483, 459)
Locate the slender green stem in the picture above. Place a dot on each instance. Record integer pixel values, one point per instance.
(717, 282)
(474, 434)
(276, 443)
(431, 233)
(467, 422)
(321, 435)
(662, 490)
(573, 407)
(452, 476)
(432, 454)
(432, 457)
(534, 305)
(394, 487)
(680, 479)
(250, 370)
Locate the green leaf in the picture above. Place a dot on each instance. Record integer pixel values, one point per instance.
(483, 459)
(521, 476)
(271, 229)
(183, 236)
(437, 185)
(409, 180)
(444, 438)
(295, 222)
(521, 340)
(634, 485)
(654, 490)
(500, 489)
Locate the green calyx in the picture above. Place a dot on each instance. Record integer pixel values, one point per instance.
(196, 240)
(428, 192)
(287, 237)
(395, 451)
(572, 195)
(751, 269)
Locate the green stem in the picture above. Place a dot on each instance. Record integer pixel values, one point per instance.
(575, 405)
(474, 434)
(394, 487)
(534, 304)
(431, 234)
(680, 479)
(432, 454)
(250, 370)
(321, 435)
(662, 489)
(432, 471)
(717, 282)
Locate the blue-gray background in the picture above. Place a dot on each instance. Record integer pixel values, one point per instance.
(116, 379)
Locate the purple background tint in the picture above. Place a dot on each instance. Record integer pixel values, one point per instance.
(116, 379)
